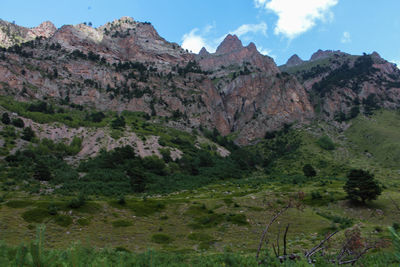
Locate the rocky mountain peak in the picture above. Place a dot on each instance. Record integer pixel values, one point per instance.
(294, 61)
(252, 47)
(45, 29)
(229, 44)
(203, 52)
(321, 54)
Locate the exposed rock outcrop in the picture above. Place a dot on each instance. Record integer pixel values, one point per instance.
(126, 65)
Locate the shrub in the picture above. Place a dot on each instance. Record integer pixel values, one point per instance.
(118, 122)
(5, 118)
(35, 215)
(28, 134)
(18, 122)
(326, 143)
(121, 200)
(161, 239)
(83, 221)
(63, 220)
(42, 172)
(309, 170)
(239, 219)
(316, 195)
(78, 202)
(52, 209)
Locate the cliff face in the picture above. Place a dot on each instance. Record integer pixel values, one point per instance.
(294, 61)
(12, 34)
(126, 65)
(340, 84)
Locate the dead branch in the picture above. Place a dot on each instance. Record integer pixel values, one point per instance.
(316, 248)
(284, 240)
(273, 247)
(267, 227)
(353, 261)
(277, 240)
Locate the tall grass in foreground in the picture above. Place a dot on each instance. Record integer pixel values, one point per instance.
(79, 255)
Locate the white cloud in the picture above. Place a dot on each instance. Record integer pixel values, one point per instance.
(346, 38)
(251, 28)
(296, 17)
(266, 52)
(193, 41)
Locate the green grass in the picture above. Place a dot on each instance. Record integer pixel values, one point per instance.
(378, 136)
(17, 204)
(122, 223)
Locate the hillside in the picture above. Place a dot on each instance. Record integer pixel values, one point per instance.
(118, 138)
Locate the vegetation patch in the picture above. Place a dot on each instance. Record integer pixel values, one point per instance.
(146, 208)
(161, 239)
(200, 237)
(342, 222)
(239, 219)
(122, 223)
(17, 204)
(36, 215)
(326, 143)
(63, 220)
(83, 221)
(207, 221)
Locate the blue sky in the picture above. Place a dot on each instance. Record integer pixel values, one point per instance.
(279, 28)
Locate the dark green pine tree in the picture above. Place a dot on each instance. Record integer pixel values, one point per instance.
(361, 186)
(5, 118)
(42, 172)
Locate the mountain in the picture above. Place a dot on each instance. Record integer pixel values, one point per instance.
(12, 34)
(126, 65)
(120, 136)
(294, 61)
(341, 85)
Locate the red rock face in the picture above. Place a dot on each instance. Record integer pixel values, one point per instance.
(232, 52)
(294, 61)
(12, 34)
(375, 76)
(126, 65)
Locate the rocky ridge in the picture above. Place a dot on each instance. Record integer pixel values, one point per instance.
(126, 65)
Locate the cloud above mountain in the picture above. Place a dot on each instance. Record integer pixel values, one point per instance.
(297, 17)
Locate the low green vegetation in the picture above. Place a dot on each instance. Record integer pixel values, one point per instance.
(200, 202)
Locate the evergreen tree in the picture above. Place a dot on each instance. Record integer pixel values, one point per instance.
(28, 134)
(361, 186)
(5, 118)
(309, 170)
(42, 172)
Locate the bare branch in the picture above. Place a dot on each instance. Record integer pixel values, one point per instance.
(353, 261)
(267, 227)
(273, 247)
(284, 240)
(314, 249)
(277, 239)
